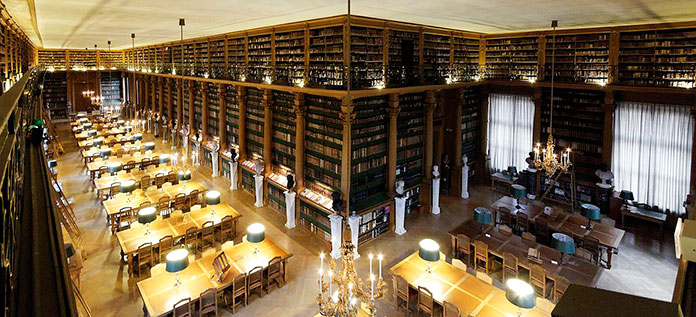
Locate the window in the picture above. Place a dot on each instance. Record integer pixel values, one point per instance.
(510, 129)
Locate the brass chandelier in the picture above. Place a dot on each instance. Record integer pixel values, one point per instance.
(341, 293)
(546, 158)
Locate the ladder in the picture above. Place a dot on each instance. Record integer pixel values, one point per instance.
(54, 139)
(572, 189)
(78, 295)
(67, 214)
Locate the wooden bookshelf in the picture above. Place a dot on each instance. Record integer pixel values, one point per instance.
(260, 68)
(165, 115)
(367, 56)
(283, 140)
(404, 58)
(326, 67)
(55, 94)
(175, 104)
(248, 183)
(512, 58)
(254, 122)
(471, 126)
(436, 58)
(232, 116)
(198, 106)
(290, 57)
(236, 58)
(213, 110)
(580, 58)
(374, 222)
(186, 94)
(465, 59)
(409, 162)
(53, 58)
(189, 59)
(111, 88)
(314, 210)
(202, 58)
(276, 186)
(217, 59)
(323, 144)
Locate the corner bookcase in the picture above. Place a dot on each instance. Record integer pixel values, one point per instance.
(326, 68)
(409, 142)
(512, 58)
(580, 58)
(254, 122)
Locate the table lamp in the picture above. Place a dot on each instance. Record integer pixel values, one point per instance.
(520, 294)
(120, 122)
(128, 128)
(177, 261)
(518, 191)
(114, 167)
(256, 233)
(69, 251)
(563, 243)
(91, 133)
(98, 142)
(104, 152)
(147, 215)
(128, 187)
(137, 137)
(626, 195)
(212, 198)
(164, 158)
(591, 212)
(52, 163)
(149, 146)
(87, 125)
(483, 216)
(429, 251)
(184, 175)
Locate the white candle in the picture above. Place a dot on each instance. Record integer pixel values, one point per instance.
(379, 257)
(370, 256)
(321, 280)
(321, 258)
(372, 286)
(330, 282)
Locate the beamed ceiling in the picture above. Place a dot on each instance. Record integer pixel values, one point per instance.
(83, 23)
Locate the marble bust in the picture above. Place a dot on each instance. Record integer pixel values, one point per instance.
(605, 175)
(436, 172)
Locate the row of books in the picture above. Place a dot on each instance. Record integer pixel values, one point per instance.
(370, 164)
(323, 164)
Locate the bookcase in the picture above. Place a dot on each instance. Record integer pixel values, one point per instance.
(315, 216)
(254, 122)
(580, 58)
(80, 58)
(471, 126)
(326, 57)
(283, 140)
(213, 110)
(290, 57)
(175, 104)
(658, 58)
(409, 141)
(260, 68)
(236, 57)
(197, 106)
(111, 88)
(248, 182)
(202, 58)
(404, 58)
(369, 153)
(276, 186)
(323, 144)
(374, 222)
(55, 94)
(512, 58)
(185, 106)
(178, 58)
(367, 56)
(55, 59)
(436, 58)
(217, 58)
(232, 116)
(466, 58)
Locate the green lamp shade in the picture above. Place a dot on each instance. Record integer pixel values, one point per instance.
(212, 197)
(149, 146)
(91, 133)
(164, 158)
(137, 136)
(520, 293)
(114, 167)
(256, 232)
(483, 216)
(563, 243)
(120, 122)
(429, 250)
(128, 128)
(518, 191)
(87, 125)
(627, 195)
(590, 211)
(177, 260)
(69, 250)
(128, 186)
(104, 152)
(52, 163)
(98, 142)
(184, 176)
(147, 215)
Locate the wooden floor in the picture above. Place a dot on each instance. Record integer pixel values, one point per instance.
(643, 267)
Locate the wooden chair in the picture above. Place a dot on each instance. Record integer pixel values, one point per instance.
(194, 197)
(102, 171)
(463, 247)
(255, 281)
(221, 264)
(591, 246)
(207, 235)
(143, 258)
(528, 237)
(541, 230)
(123, 220)
(144, 163)
(166, 244)
(510, 269)
(180, 202)
(426, 303)
(505, 217)
(560, 287)
(173, 178)
(159, 180)
(227, 229)
(239, 290)
(114, 189)
(537, 278)
(163, 208)
(130, 165)
(207, 302)
(451, 310)
(403, 292)
(481, 255)
(154, 160)
(191, 238)
(145, 182)
(182, 308)
(274, 273)
(522, 222)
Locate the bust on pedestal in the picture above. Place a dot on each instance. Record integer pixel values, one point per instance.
(173, 131)
(149, 121)
(531, 177)
(400, 204)
(165, 124)
(258, 178)
(436, 190)
(336, 225)
(465, 177)
(215, 158)
(155, 121)
(290, 202)
(234, 159)
(606, 188)
(197, 148)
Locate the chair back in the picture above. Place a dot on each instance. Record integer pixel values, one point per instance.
(450, 310)
(425, 299)
(159, 180)
(102, 171)
(239, 285)
(182, 308)
(509, 266)
(191, 236)
(274, 266)
(208, 228)
(505, 216)
(537, 277)
(145, 182)
(463, 244)
(193, 197)
(522, 222)
(561, 285)
(166, 243)
(144, 253)
(163, 207)
(481, 249)
(401, 287)
(207, 302)
(255, 278)
(114, 189)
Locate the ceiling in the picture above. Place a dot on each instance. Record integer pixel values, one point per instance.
(83, 23)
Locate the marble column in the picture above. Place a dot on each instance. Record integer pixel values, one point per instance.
(233, 174)
(400, 206)
(436, 191)
(336, 235)
(354, 223)
(258, 179)
(290, 209)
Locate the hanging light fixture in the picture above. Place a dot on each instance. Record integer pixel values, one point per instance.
(546, 158)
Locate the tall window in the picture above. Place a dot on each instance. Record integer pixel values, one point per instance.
(652, 152)
(510, 129)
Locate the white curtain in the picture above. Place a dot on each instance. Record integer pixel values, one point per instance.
(510, 129)
(652, 152)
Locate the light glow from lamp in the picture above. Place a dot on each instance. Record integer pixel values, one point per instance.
(429, 251)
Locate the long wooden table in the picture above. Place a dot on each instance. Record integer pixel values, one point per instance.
(575, 224)
(104, 183)
(93, 167)
(577, 270)
(174, 226)
(159, 293)
(84, 144)
(643, 215)
(91, 153)
(447, 283)
(100, 133)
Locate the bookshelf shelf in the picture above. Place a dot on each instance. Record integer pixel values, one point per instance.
(404, 58)
(323, 144)
(367, 56)
(232, 117)
(283, 140)
(111, 88)
(290, 57)
(409, 165)
(580, 58)
(260, 66)
(55, 94)
(512, 58)
(466, 58)
(198, 106)
(213, 110)
(471, 126)
(369, 149)
(255, 122)
(326, 67)
(436, 58)
(52, 58)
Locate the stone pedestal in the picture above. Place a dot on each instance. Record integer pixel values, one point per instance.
(233, 175)
(436, 196)
(259, 190)
(354, 223)
(336, 235)
(400, 204)
(216, 166)
(290, 209)
(465, 181)
(531, 183)
(173, 139)
(156, 124)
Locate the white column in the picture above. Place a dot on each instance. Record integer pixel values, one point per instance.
(400, 203)
(436, 196)
(259, 190)
(156, 124)
(290, 209)
(354, 223)
(233, 175)
(214, 157)
(465, 181)
(173, 138)
(336, 235)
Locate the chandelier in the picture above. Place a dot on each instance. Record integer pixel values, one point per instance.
(342, 294)
(546, 158)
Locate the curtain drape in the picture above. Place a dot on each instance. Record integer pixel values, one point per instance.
(510, 129)
(652, 152)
